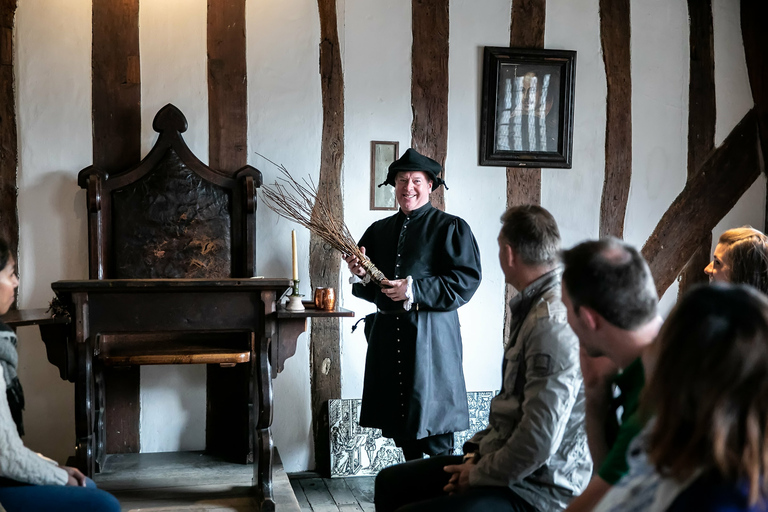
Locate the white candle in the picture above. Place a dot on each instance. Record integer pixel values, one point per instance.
(295, 259)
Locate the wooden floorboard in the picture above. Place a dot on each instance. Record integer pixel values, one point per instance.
(188, 481)
(316, 494)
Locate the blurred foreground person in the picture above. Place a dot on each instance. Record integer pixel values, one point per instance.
(706, 448)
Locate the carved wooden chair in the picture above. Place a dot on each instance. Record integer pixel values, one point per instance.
(171, 216)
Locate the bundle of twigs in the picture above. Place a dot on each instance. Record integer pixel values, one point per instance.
(301, 203)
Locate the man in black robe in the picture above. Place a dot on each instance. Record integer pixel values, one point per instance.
(414, 383)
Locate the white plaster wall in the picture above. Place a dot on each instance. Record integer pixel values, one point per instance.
(285, 124)
(53, 93)
(573, 195)
(173, 50)
(734, 99)
(476, 194)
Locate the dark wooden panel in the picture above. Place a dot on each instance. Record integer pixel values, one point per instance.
(227, 86)
(429, 84)
(9, 221)
(701, 119)
(723, 178)
(116, 104)
(324, 263)
(171, 224)
(615, 32)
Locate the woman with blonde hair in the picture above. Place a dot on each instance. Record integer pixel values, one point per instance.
(705, 447)
(741, 257)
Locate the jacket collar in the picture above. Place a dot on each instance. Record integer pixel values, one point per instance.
(418, 212)
(535, 289)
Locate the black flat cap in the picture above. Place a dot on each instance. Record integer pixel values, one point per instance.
(412, 160)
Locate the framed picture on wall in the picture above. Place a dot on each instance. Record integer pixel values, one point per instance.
(383, 153)
(526, 116)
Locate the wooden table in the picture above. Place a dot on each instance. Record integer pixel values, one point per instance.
(162, 321)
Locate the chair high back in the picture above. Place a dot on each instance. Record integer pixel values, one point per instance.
(171, 216)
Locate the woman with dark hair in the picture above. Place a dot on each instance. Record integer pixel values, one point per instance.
(706, 446)
(30, 482)
(741, 257)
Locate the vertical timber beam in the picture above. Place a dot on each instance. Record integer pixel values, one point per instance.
(702, 113)
(228, 404)
(324, 262)
(429, 84)
(615, 41)
(116, 103)
(227, 86)
(523, 184)
(526, 31)
(9, 219)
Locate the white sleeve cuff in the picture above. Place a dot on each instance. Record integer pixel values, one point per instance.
(355, 279)
(408, 294)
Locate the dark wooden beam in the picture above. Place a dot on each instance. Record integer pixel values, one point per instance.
(228, 404)
(429, 84)
(324, 262)
(9, 219)
(526, 30)
(116, 103)
(702, 113)
(615, 42)
(723, 178)
(227, 86)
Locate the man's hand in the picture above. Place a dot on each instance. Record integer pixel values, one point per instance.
(353, 262)
(459, 481)
(395, 289)
(75, 477)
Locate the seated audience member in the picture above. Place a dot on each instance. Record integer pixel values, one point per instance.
(534, 454)
(30, 482)
(705, 449)
(611, 300)
(741, 257)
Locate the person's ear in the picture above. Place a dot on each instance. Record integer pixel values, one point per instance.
(510, 257)
(590, 318)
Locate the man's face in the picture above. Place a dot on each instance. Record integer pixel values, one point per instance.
(8, 284)
(586, 336)
(718, 270)
(412, 190)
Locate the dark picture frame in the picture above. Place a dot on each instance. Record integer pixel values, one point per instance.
(526, 115)
(383, 153)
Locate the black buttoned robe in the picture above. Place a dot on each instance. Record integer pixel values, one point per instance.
(414, 382)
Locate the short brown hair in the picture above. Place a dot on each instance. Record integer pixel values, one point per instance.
(611, 277)
(709, 387)
(532, 232)
(747, 255)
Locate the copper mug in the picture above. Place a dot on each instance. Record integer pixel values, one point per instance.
(325, 298)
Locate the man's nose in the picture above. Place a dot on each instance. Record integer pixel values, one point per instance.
(708, 268)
